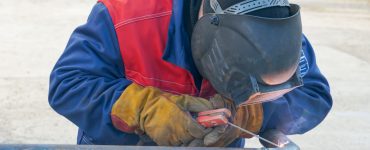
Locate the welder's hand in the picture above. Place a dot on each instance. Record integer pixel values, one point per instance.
(164, 117)
(221, 136)
(248, 117)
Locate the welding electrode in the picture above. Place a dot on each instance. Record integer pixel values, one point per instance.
(255, 135)
(218, 117)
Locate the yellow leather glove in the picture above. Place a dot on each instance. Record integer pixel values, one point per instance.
(164, 117)
(249, 117)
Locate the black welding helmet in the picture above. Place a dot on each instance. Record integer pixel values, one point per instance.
(237, 52)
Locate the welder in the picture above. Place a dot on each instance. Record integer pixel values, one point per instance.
(138, 71)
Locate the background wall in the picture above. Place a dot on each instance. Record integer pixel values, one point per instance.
(33, 34)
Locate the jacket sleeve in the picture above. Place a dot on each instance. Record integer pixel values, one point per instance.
(305, 107)
(89, 77)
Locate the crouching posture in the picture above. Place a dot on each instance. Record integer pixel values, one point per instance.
(139, 71)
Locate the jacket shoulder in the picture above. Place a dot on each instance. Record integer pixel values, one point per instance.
(122, 10)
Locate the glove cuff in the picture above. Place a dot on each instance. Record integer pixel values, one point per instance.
(126, 110)
(122, 125)
(254, 121)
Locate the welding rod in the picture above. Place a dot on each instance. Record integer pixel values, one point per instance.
(255, 135)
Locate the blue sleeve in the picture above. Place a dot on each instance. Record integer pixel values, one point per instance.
(305, 107)
(89, 77)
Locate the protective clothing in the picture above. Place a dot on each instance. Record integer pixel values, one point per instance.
(249, 117)
(221, 136)
(255, 47)
(155, 63)
(91, 75)
(149, 110)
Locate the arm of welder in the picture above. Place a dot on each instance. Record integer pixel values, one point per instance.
(303, 108)
(89, 77)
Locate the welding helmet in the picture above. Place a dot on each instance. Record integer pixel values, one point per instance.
(237, 52)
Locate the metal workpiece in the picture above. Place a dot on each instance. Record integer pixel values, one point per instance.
(291, 146)
(102, 147)
(279, 138)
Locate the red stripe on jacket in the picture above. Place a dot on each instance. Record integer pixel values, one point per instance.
(142, 27)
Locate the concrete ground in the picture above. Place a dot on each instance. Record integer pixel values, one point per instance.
(33, 34)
